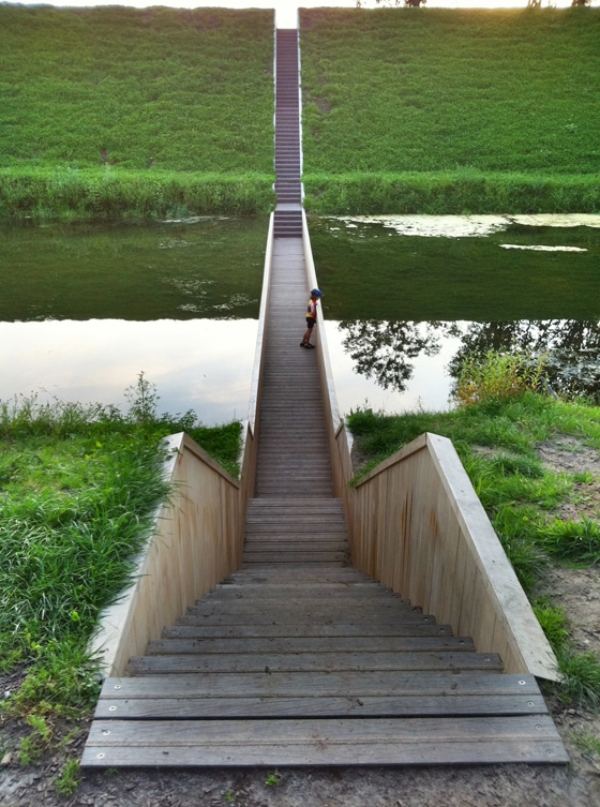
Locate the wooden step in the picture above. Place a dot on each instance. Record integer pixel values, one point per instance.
(283, 630)
(323, 741)
(293, 645)
(375, 620)
(313, 662)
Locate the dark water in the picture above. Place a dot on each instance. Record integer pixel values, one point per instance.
(210, 268)
(85, 308)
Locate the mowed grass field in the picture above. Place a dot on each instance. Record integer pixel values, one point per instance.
(451, 111)
(144, 107)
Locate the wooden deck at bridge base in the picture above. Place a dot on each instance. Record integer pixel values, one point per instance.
(297, 664)
(317, 742)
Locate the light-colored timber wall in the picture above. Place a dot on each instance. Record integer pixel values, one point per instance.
(332, 415)
(421, 530)
(416, 524)
(196, 541)
(197, 537)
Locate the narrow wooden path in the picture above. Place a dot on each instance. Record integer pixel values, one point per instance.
(298, 659)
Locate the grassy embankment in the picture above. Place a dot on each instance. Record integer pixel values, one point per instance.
(496, 429)
(77, 490)
(115, 112)
(449, 111)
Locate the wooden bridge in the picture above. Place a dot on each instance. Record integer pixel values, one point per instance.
(290, 619)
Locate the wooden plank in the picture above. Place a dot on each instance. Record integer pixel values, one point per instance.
(329, 644)
(308, 629)
(298, 545)
(409, 730)
(319, 684)
(290, 619)
(300, 568)
(358, 589)
(268, 662)
(292, 557)
(339, 606)
(277, 707)
(322, 754)
(525, 738)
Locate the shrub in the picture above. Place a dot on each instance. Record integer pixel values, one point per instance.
(498, 377)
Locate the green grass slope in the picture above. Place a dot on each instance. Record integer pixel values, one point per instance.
(451, 111)
(141, 110)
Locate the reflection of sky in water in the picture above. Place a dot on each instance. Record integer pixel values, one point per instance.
(407, 366)
(200, 364)
(429, 387)
(429, 226)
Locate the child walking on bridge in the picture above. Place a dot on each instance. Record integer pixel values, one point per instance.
(311, 317)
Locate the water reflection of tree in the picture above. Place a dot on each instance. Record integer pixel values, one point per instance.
(385, 351)
(572, 348)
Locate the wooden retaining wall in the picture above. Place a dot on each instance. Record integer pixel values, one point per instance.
(198, 534)
(421, 530)
(416, 525)
(197, 540)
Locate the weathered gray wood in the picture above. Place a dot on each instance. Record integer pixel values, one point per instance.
(291, 619)
(340, 607)
(276, 707)
(296, 545)
(348, 644)
(267, 662)
(328, 730)
(359, 590)
(308, 629)
(319, 684)
(326, 741)
(321, 754)
(293, 557)
(530, 750)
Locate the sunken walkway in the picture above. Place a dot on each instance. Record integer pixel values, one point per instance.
(297, 658)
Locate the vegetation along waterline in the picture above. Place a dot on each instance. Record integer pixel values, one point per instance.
(117, 112)
(451, 111)
(78, 485)
(498, 427)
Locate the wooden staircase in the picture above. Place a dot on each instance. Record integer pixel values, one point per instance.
(288, 154)
(298, 659)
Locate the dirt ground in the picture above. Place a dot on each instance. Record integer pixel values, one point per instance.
(376, 787)
(578, 785)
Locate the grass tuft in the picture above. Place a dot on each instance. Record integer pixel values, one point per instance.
(68, 780)
(573, 540)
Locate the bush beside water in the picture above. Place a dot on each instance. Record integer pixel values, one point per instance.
(93, 194)
(452, 192)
